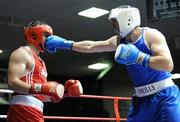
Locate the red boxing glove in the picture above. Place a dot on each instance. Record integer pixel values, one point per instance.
(73, 88)
(51, 88)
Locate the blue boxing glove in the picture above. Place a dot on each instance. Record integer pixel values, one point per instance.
(55, 42)
(129, 54)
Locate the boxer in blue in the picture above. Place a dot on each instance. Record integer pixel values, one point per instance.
(147, 57)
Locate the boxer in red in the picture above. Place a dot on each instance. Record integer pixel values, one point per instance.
(27, 76)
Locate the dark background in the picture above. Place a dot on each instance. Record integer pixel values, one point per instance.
(62, 16)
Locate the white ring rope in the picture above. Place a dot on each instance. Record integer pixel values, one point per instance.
(175, 76)
(3, 116)
(6, 91)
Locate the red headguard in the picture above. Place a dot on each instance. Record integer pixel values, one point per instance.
(34, 35)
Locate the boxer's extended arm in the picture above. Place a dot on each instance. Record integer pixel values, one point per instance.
(161, 59)
(86, 46)
(17, 67)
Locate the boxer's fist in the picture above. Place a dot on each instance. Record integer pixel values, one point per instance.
(73, 87)
(55, 42)
(129, 54)
(53, 89)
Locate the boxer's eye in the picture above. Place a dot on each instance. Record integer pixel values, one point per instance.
(113, 25)
(46, 34)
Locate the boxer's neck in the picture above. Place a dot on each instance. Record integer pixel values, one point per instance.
(135, 34)
(34, 49)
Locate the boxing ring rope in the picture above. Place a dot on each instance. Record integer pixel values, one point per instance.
(75, 118)
(117, 117)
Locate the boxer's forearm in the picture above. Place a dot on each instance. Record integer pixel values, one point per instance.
(19, 86)
(88, 46)
(161, 63)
